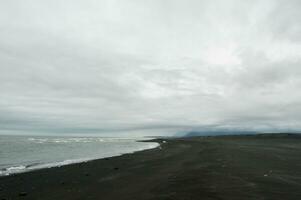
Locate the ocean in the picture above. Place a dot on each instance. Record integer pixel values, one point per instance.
(26, 153)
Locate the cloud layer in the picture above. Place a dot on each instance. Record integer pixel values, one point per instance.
(111, 66)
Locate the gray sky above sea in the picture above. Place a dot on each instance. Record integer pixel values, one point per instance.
(149, 66)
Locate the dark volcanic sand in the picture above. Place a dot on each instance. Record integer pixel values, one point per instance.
(229, 167)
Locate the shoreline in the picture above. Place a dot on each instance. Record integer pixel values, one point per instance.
(41, 166)
(223, 167)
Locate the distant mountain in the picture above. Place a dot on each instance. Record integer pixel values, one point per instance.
(214, 133)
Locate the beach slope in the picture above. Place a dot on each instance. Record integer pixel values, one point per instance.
(223, 167)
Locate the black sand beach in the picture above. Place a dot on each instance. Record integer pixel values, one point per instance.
(225, 167)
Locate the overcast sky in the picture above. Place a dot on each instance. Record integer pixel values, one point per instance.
(112, 67)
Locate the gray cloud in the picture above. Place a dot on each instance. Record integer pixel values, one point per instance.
(149, 67)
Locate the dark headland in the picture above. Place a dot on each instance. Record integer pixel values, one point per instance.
(222, 167)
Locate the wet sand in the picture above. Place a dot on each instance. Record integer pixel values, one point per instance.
(225, 167)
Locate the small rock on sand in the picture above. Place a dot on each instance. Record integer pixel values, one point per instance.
(22, 194)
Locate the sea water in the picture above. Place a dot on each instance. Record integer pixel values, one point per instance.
(25, 153)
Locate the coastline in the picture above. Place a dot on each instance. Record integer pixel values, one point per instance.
(47, 165)
(223, 167)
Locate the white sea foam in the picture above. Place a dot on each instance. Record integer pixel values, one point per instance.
(12, 170)
(76, 139)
